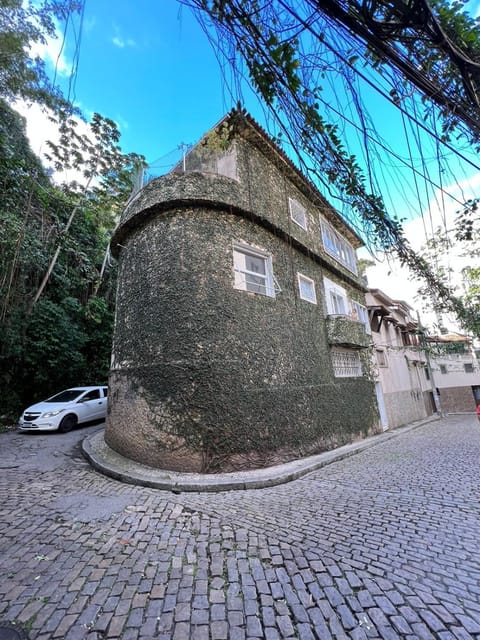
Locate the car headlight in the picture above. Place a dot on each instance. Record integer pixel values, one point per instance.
(51, 414)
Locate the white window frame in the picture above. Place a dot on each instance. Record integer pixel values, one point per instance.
(298, 213)
(362, 315)
(241, 273)
(336, 298)
(338, 303)
(346, 363)
(309, 282)
(338, 247)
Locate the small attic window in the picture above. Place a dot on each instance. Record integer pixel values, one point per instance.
(298, 213)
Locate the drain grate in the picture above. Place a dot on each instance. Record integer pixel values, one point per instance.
(11, 632)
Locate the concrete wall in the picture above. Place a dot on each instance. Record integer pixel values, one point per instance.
(404, 407)
(457, 399)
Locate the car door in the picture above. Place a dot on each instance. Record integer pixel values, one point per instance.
(92, 405)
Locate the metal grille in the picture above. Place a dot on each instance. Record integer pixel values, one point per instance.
(346, 363)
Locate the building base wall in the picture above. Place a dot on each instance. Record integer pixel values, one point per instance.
(163, 420)
(455, 399)
(404, 407)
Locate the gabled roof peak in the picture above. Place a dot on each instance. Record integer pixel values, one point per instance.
(249, 129)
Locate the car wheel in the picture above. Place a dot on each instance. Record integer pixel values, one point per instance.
(67, 423)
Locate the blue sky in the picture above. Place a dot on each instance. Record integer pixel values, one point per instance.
(149, 66)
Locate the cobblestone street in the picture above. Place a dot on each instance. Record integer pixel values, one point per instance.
(384, 544)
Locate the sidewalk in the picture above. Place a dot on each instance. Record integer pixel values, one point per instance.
(112, 464)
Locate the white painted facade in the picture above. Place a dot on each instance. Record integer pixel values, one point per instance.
(456, 372)
(400, 361)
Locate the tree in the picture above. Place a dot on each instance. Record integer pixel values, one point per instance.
(56, 290)
(65, 337)
(23, 24)
(98, 156)
(460, 245)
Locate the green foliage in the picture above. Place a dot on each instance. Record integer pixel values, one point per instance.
(56, 282)
(464, 241)
(65, 337)
(23, 24)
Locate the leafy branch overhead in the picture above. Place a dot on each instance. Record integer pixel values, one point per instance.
(441, 251)
(22, 26)
(96, 155)
(286, 49)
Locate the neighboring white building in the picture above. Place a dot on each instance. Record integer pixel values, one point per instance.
(456, 372)
(404, 391)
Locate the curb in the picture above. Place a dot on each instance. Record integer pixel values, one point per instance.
(112, 464)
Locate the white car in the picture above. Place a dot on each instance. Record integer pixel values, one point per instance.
(65, 410)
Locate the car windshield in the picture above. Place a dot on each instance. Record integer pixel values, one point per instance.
(66, 396)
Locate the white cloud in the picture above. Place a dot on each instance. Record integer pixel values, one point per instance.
(53, 54)
(120, 42)
(40, 129)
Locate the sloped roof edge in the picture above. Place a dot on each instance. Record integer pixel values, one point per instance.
(245, 124)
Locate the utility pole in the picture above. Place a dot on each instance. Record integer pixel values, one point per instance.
(423, 343)
(183, 147)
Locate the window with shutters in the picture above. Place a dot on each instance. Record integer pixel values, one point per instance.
(298, 213)
(253, 270)
(306, 287)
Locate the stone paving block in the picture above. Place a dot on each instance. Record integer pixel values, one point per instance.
(385, 605)
(285, 626)
(182, 612)
(65, 624)
(365, 599)
(469, 624)
(200, 617)
(271, 634)
(251, 607)
(431, 620)
(219, 630)
(358, 634)
(388, 633)
(461, 633)
(334, 597)
(422, 631)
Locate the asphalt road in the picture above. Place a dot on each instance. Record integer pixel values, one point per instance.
(384, 544)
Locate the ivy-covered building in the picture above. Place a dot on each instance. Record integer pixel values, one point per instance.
(241, 336)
